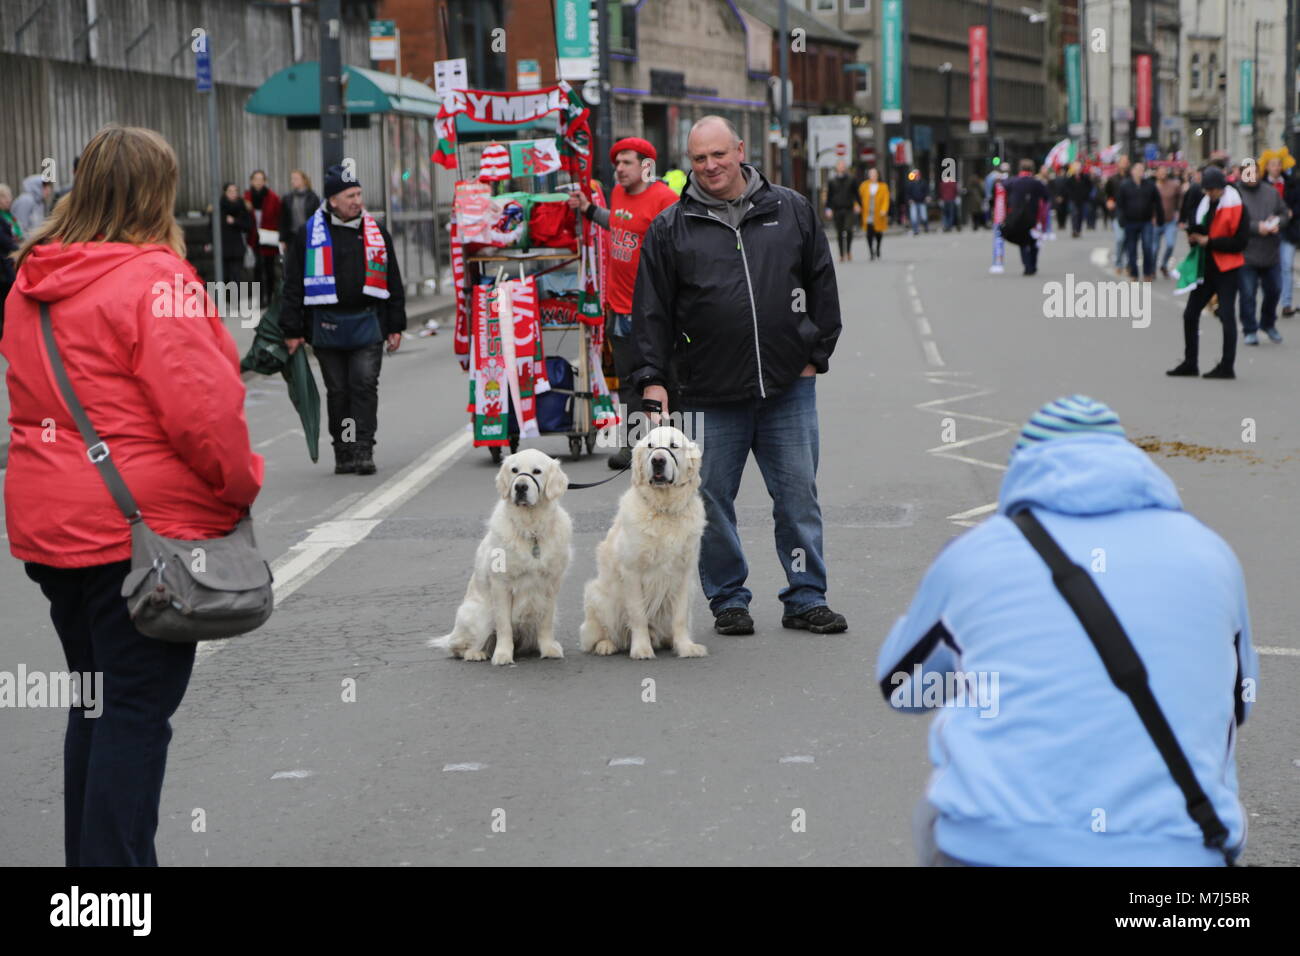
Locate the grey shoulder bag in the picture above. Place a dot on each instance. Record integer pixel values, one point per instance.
(177, 591)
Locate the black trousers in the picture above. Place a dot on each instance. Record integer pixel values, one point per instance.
(844, 230)
(1225, 285)
(352, 394)
(113, 762)
(264, 273)
(873, 240)
(627, 358)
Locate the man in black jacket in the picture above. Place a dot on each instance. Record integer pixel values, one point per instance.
(348, 312)
(1139, 207)
(736, 301)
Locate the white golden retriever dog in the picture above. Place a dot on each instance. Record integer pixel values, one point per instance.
(646, 566)
(517, 568)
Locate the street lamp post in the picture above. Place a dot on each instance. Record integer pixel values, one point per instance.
(946, 69)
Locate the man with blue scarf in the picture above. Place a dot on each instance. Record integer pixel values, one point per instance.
(343, 293)
(1040, 758)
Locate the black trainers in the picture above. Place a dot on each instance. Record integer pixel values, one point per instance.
(1183, 369)
(733, 621)
(365, 461)
(819, 620)
(1220, 372)
(345, 462)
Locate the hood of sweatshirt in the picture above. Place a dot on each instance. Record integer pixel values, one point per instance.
(730, 211)
(33, 186)
(53, 271)
(1086, 474)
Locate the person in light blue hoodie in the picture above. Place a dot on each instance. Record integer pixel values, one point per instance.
(1039, 759)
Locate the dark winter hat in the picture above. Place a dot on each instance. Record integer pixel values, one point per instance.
(1212, 177)
(338, 179)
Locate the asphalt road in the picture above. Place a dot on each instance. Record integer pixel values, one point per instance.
(439, 761)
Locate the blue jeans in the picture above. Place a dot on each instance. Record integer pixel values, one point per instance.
(1118, 229)
(1288, 272)
(1146, 231)
(1169, 237)
(949, 214)
(781, 431)
(916, 212)
(113, 763)
(1251, 278)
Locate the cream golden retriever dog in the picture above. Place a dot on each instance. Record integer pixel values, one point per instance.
(517, 568)
(646, 566)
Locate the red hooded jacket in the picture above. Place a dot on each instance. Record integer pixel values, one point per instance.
(163, 391)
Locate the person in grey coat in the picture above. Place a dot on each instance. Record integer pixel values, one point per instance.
(1269, 215)
(32, 203)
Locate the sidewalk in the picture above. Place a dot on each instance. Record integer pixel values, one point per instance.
(418, 311)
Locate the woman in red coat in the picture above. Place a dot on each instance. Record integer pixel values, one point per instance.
(265, 206)
(161, 385)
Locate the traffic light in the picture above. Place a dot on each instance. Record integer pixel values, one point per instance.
(999, 150)
(997, 161)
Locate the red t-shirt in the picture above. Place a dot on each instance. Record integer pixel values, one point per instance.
(629, 218)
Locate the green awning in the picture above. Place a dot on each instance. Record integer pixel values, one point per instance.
(295, 91)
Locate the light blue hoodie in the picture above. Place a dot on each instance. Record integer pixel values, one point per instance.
(1053, 765)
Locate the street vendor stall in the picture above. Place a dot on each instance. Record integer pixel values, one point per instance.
(524, 262)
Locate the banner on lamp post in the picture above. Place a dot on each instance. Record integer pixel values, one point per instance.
(573, 49)
(1247, 94)
(979, 80)
(891, 54)
(1074, 88)
(1143, 95)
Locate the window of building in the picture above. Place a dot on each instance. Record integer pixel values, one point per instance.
(1196, 72)
(857, 6)
(825, 6)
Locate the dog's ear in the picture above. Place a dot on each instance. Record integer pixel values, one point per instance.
(557, 482)
(503, 479)
(693, 452)
(640, 456)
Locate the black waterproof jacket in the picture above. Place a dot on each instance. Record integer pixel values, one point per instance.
(734, 314)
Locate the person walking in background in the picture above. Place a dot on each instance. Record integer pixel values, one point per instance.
(165, 395)
(1218, 234)
(343, 293)
(1170, 188)
(1137, 202)
(634, 203)
(839, 199)
(1113, 215)
(32, 204)
(718, 272)
(873, 201)
(948, 192)
(265, 206)
(68, 188)
(10, 238)
(297, 207)
(1028, 206)
(1022, 762)
(973, 202)
(1077, 192)
(918, 195)
(235, 222)
(1290, 188)
(1268, 215)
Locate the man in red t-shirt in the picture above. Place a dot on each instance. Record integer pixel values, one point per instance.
(637, 198)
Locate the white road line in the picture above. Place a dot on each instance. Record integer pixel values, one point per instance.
(328, 541)
(923, 325)
(973, 512)
(969, 441)
(917, 307)
(931, 352)
(272, 441)
(1280, 651)
(971, 461)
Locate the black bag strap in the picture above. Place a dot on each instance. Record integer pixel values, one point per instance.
(1126, 670)
(96, 448)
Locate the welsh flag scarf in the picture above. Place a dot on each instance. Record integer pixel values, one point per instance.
(509, 365)
(1191, 271)
(318, 264)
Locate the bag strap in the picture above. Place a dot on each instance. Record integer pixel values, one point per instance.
(1126, 670)
(96, 448)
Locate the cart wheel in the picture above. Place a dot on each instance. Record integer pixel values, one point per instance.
(575, 447)
(514, 444)
(495, 452)
(591, 441)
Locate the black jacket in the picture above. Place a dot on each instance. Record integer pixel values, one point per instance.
(1291, 196)
(841, 192)
(349, 280)
(1139, 202)
(720, 309)
(1191, 199)
(1079, 188)
(289, 224)
(234, 238)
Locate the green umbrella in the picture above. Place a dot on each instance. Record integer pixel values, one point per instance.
(269, 355)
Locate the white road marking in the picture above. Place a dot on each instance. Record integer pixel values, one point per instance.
(932, 352)
(462, 767)
(291, 774)
(973, 512)
(948, 446)
(917, 307)
(1280, 651)
(1100, 257)
(627, 762)
(973, 461)
(799, 758)
(328, 541)
(923, 325)
(272, 441)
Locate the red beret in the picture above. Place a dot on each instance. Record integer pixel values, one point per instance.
(636, 144)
